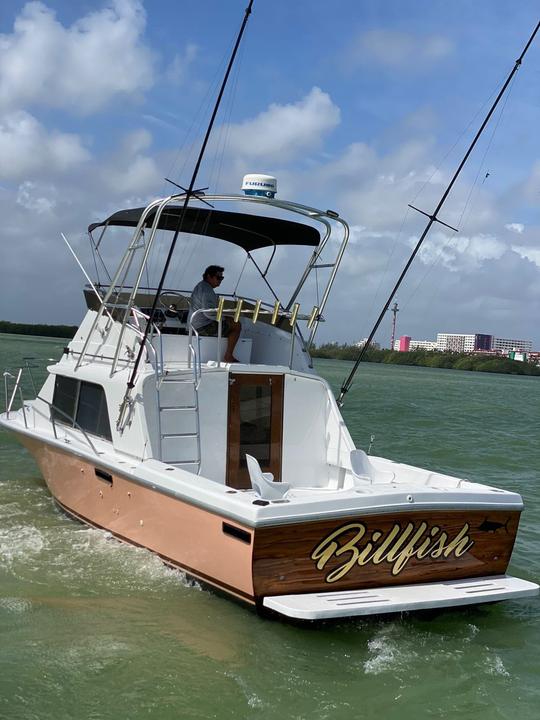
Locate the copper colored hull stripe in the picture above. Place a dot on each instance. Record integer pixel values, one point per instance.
(169, 561)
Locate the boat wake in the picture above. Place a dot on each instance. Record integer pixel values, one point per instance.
(83, 560)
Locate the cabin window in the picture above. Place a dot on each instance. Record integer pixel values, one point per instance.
(65, 399)
(92, 413)
(82, 403)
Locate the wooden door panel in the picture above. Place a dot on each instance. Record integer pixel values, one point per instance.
(255, 425)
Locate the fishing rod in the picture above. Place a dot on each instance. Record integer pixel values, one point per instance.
(432, 219)
(189, 193)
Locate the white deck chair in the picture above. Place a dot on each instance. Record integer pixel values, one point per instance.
(364, 471)
(263, 483)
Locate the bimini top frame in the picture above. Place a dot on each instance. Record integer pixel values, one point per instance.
(247, 230)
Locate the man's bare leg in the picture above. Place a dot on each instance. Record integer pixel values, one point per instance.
(234, 333)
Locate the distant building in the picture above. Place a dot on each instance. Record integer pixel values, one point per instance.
(372, 344)
(423, 345)
(483, 342)
(455, 342)
(505, 345)
(515, 355)
(404, 343)
(465, 343)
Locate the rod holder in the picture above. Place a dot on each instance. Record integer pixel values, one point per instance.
(275, 313)
(313, 316)
(221, 305)
(238, 310)
(256, 311)
(294, 313)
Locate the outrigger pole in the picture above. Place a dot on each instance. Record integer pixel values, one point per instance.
(189, 193)
(432, 219)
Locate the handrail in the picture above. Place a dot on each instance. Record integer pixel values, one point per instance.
(75, 423)
(193, 330)
(38, 397)
(15, 388)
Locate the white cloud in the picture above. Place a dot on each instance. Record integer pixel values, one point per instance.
(30, 197)
(459, 253)
(26, 147)
(395, 49)
(81, 67)
(515, 227)
(528, 253)
(132, 171)
(530, 188)
(283, 131)
(178, 69)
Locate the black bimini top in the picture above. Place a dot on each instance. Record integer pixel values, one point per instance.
(250, 232)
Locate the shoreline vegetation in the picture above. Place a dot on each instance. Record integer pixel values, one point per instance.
(429, 358)
(335, 351)
(52, 331)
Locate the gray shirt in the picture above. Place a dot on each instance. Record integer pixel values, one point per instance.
(203, 296)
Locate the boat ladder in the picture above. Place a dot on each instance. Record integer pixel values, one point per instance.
(179, 427)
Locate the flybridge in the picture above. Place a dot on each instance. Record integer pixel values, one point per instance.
(248, 230)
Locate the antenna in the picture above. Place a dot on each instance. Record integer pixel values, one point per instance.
(432, 219)
(394, 310)
(189, 193)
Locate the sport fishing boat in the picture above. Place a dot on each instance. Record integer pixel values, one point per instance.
(244, 475)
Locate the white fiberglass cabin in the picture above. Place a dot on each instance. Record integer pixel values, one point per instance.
(244, 475)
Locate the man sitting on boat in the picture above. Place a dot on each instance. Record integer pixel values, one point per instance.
(203, 297)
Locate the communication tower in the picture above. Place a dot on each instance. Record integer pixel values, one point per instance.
(394, 310)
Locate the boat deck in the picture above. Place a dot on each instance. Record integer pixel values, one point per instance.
(409, 489)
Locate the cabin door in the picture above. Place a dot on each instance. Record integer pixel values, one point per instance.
(255, 425)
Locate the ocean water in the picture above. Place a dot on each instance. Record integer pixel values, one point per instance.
(93, 629)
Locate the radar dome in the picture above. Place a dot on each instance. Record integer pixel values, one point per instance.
(259, 185)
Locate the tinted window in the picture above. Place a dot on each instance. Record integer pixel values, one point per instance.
(83, 403)
(92, 415)
(64, 399)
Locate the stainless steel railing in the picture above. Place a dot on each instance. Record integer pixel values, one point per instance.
(16, 387)
(52, 408)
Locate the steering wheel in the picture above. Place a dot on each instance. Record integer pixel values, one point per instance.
(170, 309)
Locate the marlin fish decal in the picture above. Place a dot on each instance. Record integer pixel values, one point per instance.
(490, 526)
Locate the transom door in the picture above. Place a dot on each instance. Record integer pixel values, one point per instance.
(255, 425)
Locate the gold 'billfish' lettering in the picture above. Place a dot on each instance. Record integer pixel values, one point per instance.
(397, 547)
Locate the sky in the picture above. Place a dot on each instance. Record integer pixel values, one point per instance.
(361, 106)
